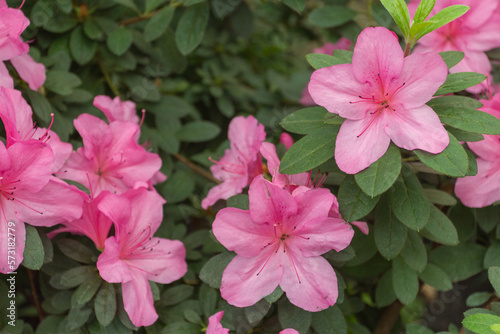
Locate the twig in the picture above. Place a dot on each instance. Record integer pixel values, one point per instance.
(36, 300)
(389, 318)
(196, 168)
(136, 19)
(110, 83)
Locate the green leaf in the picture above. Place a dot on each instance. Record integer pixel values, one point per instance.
(158, 24)
(181, 328)
(334, 119)
(400, 14)
(319, 60)
(296, 5)
(92, 29)
(239, 201)
(409, 203)
(353, 202)
(330, 16)
(105, 304)
(310, 151)
(119, 40)
(77, 275)
(76, 251)
(178, 187)
(87, 289)
(488, 217)
(171, 106)
(492, 257)
(381, 174)
(439, 197)
(82, 48)
(472, 169)
(153, 4)
(275, 295)
(470, 120)
(208, 299)
(191, 27)
(225, 106)
(478, 299)
(414, 252)
(329, 321)
(211, 273)
(451, 58)
(461, 135)
(364, 248)
(494, 276)
(456, 82)
(443, 17)
(417, 329)
(440, 229)
(452, 102)
(60, 23)
(41, 106)
(452, 161)
(384, 293)
(436, 277)
(256, 312)
(33, 250)
(176, 294)
(390, 233)
(291, 316)
(481, 323)
(128, 3)
(61, 82)
(405, 281)
(198, 131)
(423, 10)
(462, 261)
(305, 121)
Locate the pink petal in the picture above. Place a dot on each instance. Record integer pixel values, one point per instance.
(16, 115)
(485, 37)
(94, 132)
(487, 149)
(310, 283)
(222, 191)
(378, 57)
(336, 87)
(236, 230)
(244, 282)
(12, 24)
(268, 151)
(482, 189)
(116, 109)
(321, 235)
(138, 301)
(269, 203)
(111, 267)
(313, 204)
(286, 140)
(306, 99)
(419, 86)
(214, 325)
(18, 236)
(5, 78)
(360, 143)
(62, 151)
(245, 136)
(289, 331)
(363, 226)
(29, 70)
(418, 128)
(4, 157)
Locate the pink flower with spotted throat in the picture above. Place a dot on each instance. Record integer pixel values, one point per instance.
(382, 95)
(279, 241)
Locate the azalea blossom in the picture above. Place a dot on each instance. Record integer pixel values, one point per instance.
(116, 109)
(327, 49)
(110, 158)
(382, 95)
(30, 194)
(215, 327)
(483, 189)
(473, 33)
(134, 256)
(240, 163)
(278, 241)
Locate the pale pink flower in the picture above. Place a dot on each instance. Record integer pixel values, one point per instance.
(29, 70)
(473, 33)
(382, 95)
(116, 109)
(286, 140)
(483, 189)
(289, 331)
(30, 194)
(279, 242)
(214, 325)
(134, 256)
(110, 158)
(240, 163)
(327, 49)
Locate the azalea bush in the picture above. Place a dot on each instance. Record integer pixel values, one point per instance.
(224, 166)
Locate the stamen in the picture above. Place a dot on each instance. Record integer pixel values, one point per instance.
(272, 253)
(143, 116)
(293, 263)
(371, 122)
(47, 132)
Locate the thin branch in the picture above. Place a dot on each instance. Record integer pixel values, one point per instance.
(389, 318)
(196, 168)
(136, 19)
(36, 300)
(110, 82)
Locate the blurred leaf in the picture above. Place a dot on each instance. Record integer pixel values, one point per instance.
(208, 298)
(105, 304)
(198, 131)
(178, 187)
(417, 329)
(77, 275)
(330, 16)
(33, 251)
(76, 251)
(239, 201)
(462, 261)
(494, 276)
(41, 106)
(60, 23)
(451, 58)
(319, 60)
(353, 202)
(61, 82)
(492, 257)
(329, 321)
(291, 316)
(181, 328)
(478, 299)
(488, 217)
(130, 4)
(456, 82)
(436, 277)
(82, 48)
(158, 24)
(153, 4)
(405, 281)
(255, 313)
(119, 40)
(384, 293)
(222, 8)
(88, 289)
(304, 121)
(211, 273)
(92, 30)
(191, 27)
(296, 5)
(176, 294)
(390, 233)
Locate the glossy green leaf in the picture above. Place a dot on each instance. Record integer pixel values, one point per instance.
(443, 17)
(451, 58)
(456, 82)
(481, 323)
(319, 60)
(440, 197)
(305, 121)
(82, 48)
(462, 261)
(329, 321)
(423, 10)
(399, 12)
(211, 273)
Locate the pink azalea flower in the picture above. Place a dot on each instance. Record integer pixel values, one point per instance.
(327, 49)
(241, 163)
(289, 331)
(30, 194)
(17, 115)
(93, 223)
(116, 109)
(110, 158)
(286, 140)
(29, 70)
(473, 33)
(279, 242)
(483, 189)
(214, 325)
(134, 256)
(382, 95)
(294, 181)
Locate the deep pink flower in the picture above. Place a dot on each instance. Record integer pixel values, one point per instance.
(327, 49)
(382, 95)
(483, 189)
(116, 109)
(279, 242)
(30, 194)
(473, 33)
(241, 163)
(110, 158)
(214, 325)
(134, 256)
